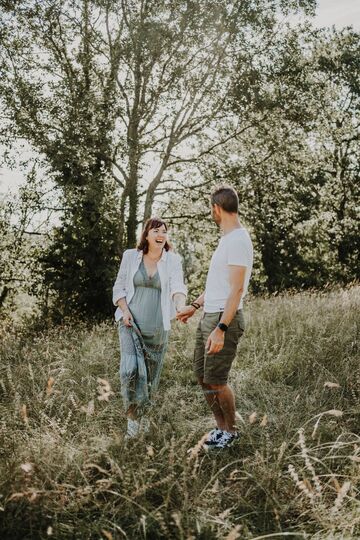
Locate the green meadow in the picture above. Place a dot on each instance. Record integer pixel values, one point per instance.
(66, 471)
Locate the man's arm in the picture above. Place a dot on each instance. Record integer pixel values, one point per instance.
(188, 311)
(237, 279)
(215, 341)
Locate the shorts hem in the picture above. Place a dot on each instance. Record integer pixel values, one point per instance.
(220, 383)
(198, 373)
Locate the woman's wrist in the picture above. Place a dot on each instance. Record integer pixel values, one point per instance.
(179, 301)
(124, 309)
(179, 305)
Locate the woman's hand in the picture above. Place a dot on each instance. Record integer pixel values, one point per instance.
(127, 318)
(179, 301)
(185, 313)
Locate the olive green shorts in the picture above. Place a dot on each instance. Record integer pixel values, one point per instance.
(214, 368)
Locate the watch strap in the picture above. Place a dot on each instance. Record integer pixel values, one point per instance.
(222, 326)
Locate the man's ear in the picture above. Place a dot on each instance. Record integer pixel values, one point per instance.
(219, 209)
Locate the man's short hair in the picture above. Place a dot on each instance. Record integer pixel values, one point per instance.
(226, 197)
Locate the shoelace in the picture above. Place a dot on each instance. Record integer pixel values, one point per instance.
(215, 435)
(225, 438)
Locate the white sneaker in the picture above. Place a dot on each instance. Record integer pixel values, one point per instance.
(133, 429)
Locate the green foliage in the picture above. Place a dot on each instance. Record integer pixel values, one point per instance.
(299, 178)
(294, 164)
(80, 262)
(66, 466)
(58, 105)
(119, 90)
(20, 246)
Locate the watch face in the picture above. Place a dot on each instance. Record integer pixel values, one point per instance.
(222, 327)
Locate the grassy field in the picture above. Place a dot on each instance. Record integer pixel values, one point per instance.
(67, 473)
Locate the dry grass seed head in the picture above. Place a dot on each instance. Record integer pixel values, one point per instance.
(49, 386)
(309, 465)
(252, 417)
(234, 534)
(341, 496)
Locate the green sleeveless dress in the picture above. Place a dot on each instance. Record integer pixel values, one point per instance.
(145, 307)
(138, 381)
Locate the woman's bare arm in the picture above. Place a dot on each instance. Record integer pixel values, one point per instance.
(127, 317)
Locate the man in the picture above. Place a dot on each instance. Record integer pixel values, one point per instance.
(222, 323)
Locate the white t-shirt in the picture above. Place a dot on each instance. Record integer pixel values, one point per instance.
(235, 248)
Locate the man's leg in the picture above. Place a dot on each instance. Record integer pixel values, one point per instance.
(217, 368)
(226, 404)
(211, 396)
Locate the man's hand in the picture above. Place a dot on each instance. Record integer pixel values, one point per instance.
(185, 313)
(215, 342)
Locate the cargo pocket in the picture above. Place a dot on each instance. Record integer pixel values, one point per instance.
(240, 322)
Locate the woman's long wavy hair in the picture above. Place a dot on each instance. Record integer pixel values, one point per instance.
(152, 223)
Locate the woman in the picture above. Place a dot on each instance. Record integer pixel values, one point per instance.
(148, 291)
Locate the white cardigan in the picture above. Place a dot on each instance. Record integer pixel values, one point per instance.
(171, 278)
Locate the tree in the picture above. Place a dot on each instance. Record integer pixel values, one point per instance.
(296, 168)
(119, 96)
(21, 241)
(337, 64)
(54, 104)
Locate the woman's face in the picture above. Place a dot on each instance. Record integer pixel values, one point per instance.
(157, 237)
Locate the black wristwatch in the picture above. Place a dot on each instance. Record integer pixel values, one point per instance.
(222, 326)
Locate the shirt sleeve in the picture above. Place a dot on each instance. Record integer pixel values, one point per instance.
(238, 252)
(119, 289)
(177, 284)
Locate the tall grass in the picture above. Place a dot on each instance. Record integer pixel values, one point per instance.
(67, 472)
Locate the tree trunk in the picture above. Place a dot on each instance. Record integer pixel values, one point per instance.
(131, 223)
(134, 156)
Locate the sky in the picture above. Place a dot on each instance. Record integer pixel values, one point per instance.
(339, 13)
